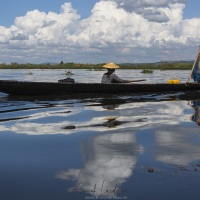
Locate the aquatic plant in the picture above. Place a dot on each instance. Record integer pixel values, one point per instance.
(69, 73)
(147, 71)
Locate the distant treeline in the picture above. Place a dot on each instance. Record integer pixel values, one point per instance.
(165, 65)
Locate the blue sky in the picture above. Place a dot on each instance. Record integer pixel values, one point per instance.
(10, 9)
(192, 9)
(29, 27)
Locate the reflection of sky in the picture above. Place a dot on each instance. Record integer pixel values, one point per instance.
(177, 145)
(110, 158)
(54, 120)
(93, 118)
(108, 162)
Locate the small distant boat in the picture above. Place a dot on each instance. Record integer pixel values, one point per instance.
(60, 88)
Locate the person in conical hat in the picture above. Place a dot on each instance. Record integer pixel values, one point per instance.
(110, 77)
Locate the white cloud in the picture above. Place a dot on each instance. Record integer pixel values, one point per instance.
(149, 9)
(4, 35)
(117, 30)
(19, 36)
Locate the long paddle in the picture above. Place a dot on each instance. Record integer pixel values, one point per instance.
(193, 65)
(138, 80)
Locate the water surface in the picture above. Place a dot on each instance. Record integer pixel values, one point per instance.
(138, 146)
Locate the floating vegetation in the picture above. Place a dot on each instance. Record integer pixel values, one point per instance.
(147, 71)
(68, 73)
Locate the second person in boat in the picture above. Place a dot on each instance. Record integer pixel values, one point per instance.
(110, 77)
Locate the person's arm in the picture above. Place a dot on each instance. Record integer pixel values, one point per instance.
(116, 79)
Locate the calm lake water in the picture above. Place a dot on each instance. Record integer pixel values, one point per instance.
(137, 147)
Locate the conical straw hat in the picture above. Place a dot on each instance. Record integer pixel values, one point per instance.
(111, 66)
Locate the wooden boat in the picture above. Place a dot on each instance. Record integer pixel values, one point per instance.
(57, 88)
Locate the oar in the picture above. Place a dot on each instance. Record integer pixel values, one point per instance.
(193, 65)
(138, 80)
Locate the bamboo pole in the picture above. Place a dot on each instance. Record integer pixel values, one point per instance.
(193, 65)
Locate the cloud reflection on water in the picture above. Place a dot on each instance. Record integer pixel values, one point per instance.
(109, 160)
(116, 147)
(177, 145)
(53, 120)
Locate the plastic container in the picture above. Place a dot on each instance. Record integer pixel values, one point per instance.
(173, 81)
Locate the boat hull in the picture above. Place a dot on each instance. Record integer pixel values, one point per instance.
(51, 88)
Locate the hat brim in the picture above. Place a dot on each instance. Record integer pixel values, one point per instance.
(111, 66)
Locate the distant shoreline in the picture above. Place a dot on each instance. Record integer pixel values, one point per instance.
(165, 65)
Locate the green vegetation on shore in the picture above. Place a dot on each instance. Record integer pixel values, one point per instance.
(165, 65)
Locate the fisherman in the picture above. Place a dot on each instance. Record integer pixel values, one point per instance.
(110, 77)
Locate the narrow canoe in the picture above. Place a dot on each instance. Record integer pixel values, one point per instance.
(51, 88)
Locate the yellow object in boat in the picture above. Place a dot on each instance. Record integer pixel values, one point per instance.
(174, 81)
